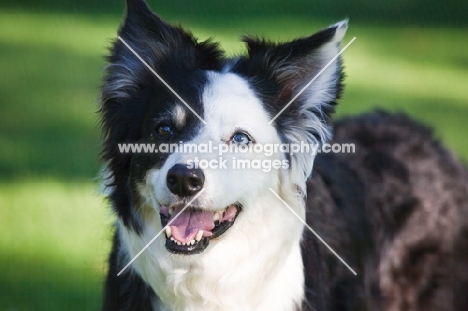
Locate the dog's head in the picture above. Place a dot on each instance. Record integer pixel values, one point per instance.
(220, 102)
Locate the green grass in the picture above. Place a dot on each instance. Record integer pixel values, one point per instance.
(55, 229)
(54, 243)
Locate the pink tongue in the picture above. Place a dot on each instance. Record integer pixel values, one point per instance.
(186, 226)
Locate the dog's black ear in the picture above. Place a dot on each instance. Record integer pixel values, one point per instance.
(170, 51)
(140, 22)
(156, 40)
(159, 44)
(145, 30)
(292, 66)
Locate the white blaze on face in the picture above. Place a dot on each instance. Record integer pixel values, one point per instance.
(230, 103)
(230, 107)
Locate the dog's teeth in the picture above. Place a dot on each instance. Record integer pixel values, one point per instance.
(192, 242)
(171, 211)
(199, 235)
(216, 216)
(178, 243)
(168, 232)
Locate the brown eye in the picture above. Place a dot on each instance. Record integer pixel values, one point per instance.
(164, 130)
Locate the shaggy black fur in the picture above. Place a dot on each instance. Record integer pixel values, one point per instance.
(397, 209)
(127, 292)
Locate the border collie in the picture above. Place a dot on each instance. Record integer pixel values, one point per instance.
(396, 210)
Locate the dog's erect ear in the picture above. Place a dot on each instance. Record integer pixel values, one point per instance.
(157, 43)
(142, 26)
(141, 21)
(156, 40)
(293, 65)
(168, 50)
(289, 67)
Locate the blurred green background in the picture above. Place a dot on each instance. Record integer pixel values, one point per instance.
(410, 55)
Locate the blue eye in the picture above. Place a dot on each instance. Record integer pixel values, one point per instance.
(241, 139)
(164, 130)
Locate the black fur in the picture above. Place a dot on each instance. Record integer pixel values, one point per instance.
(400, 187)
(127, 292)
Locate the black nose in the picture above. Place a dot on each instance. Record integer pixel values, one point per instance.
(184, 181)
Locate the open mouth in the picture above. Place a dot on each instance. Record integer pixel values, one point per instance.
(192, 230)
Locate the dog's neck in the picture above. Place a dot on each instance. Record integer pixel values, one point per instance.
(260, 286)
(240, 271)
